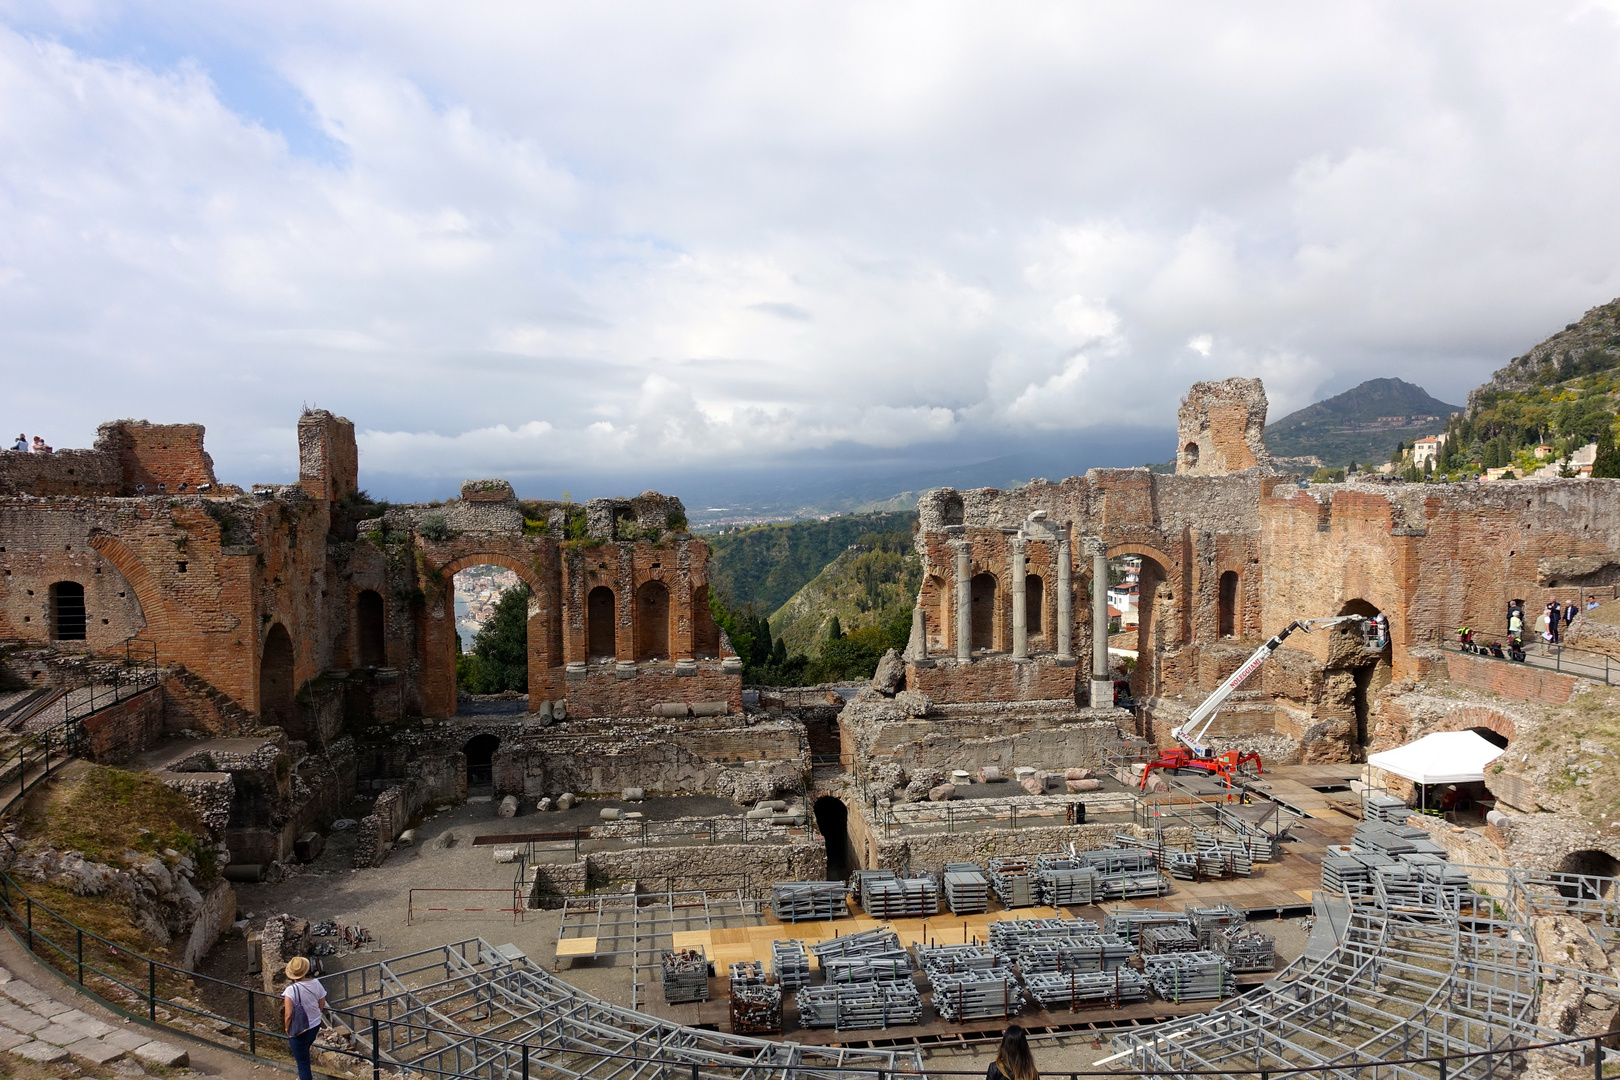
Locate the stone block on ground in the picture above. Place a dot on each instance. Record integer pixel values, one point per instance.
(10, 1039)
(989, 774)
(95, 1051)
(85, 1023)
(506, 854)
(891, 673)
(942, 793)
(508, 807)
(1032, 784)
(21, 1019)
(1077, 774)
(128, 1038)
(165, 1054)
(1082, 785)
(60, 1034)
(42, 1053)
(23, 994)
(50, 1009)
(565, 800)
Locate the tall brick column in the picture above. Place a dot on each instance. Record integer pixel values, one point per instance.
(1020, 612)
(1102, 687)
(964, 600)
(1065, 597)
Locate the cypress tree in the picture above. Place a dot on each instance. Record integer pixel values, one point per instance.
(1607, 462)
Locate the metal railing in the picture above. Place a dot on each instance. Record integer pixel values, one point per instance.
(617, 835)
(963, 814)
(1547, 656)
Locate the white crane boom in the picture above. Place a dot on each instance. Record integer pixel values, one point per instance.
(1191, 733)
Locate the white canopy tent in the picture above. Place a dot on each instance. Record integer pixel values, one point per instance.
(1445, 757)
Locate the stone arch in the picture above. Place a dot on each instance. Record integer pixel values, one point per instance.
(480, 754)
(985, 626)
(278, 683)
(1157, 569)
(544, 619)
(370, 629)
(653, 611)
(601, 624)
(148, 594)
(1228, 622)
(1595, 868)
(1479, 718)
(1189, 454)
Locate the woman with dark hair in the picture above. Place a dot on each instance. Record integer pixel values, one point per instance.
(1013, 1060)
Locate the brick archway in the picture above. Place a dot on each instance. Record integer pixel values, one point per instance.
(1143, 678)
(1479, 716)
(545, 670)
(148, 594)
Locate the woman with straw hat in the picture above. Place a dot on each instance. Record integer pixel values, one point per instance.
(301, 1005)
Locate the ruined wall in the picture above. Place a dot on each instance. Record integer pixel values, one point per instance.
(994, 678)
(119, 732)
(1005, 737)
(1221, 428)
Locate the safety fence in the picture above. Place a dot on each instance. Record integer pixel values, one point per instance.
(1544, 656)
(964, 815)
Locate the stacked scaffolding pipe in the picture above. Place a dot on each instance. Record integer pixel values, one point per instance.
(1189, 976)
(1245, 951)
(1043, 955)
(1128, 923)
(959, 996)
(967, 890)
(756, 1005)
(859, 1006)
(800, 901)
(686, 976)
(790, 964)
(1011, 879)
(1075, 990)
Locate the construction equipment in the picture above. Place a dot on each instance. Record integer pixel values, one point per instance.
(1194, 753)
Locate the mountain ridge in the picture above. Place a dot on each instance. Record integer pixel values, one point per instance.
(1364, 423)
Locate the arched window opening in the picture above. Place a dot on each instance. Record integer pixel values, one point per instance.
(276, 680)
(1189, 453)
(68, 617)
(368, 620)
(652, 621)
(480, 752)
(600, 624)
(1227, 607)
(1495, 738)
(984, 612)
(1034, 603)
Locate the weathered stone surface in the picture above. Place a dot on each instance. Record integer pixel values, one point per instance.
(165, 1054)
(95, 1051)
(942, 793)
(508, 807)
(890, 675)
(41, 1053)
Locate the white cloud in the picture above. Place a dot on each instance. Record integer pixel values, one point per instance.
(622, 236)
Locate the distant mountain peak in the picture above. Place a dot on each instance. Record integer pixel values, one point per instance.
(1365, 423)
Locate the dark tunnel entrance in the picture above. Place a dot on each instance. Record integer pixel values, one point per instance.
(832, 819)
(480, 751)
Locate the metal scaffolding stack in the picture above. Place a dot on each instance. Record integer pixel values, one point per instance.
(859, 1006)
(1011, 877)
(800, 901)
(790, 964)
(1064, 881)
(976, 995)
(967, 890)
(887, 896)
(858, 969)
(1394, 841)
(1386, 808)
(950, 958)
(1075, 990)
(878, 944)
(1245, 951)
(1189, 976)
(756, 1006)
(1420, 881)
(1008, 935)
(1213, 921)
(1351, 873)
(1044, 955)
(1127, 923)
(1168, 938)
(686, 976)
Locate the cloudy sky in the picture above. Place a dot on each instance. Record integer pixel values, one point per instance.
(562, 240)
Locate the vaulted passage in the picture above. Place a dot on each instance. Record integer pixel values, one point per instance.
(1589, 863)
(599, 624)
(480, 752)
(832, 820)
(368, 625)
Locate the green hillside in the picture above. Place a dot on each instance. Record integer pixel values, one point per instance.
(762, 567)
(1364, 424)
(874, 583)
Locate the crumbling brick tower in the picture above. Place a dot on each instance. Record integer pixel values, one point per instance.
(1221, 428)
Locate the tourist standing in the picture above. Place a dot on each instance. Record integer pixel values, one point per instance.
(1570, 611)
(1555, 615)
(301, 1005)
(1515, 622)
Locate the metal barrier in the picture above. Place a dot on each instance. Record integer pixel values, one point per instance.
(980, 813)
(1545, 656)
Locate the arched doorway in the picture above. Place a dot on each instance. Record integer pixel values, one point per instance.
(1495, 738)
(68, 615)
(493, 608)
(983, 612)
(1596, 866)
(276, 680)
(1227, 605)
(652, 621)
(1151, 637)
(600, 624)
(1034, 604)
(368, 626)
(480, 753)
(832, 821)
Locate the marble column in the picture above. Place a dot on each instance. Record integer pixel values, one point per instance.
(1102, 687)
(1020, 609)
(1065, 597)
(964, 601)
(919, 634)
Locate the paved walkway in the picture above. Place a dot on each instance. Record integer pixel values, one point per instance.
(46, 1022)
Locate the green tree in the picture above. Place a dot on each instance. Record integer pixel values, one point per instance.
(1607, 463)
(500, 653)
(835, 630)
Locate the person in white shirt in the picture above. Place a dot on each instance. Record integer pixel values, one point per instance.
(301, 1005)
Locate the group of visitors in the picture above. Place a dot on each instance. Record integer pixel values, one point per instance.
(1554, 617)
(38, 447)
